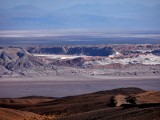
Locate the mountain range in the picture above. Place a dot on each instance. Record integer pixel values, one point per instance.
(81, 16)
(106, 60)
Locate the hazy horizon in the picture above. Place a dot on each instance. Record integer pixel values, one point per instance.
(78, 14)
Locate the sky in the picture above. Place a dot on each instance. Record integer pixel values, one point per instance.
(52, 4)
(53, 14)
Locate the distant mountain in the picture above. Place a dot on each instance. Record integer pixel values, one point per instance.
(22, 11)
(136, 12)
(26, 8)
(67, 21)
(81, 16)
(112, 10)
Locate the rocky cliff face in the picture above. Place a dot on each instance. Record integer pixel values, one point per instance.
(89, 60)
(156, 52)
(18, 59)
(76, 50)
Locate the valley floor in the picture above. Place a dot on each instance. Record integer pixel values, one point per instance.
(63, 86)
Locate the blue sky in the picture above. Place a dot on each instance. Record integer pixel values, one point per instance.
(52, 4)
(52, 14)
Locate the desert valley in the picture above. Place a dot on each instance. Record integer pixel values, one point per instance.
(79, 60)
(39, 79)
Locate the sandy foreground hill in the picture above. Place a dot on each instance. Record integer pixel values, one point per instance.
(117, 104)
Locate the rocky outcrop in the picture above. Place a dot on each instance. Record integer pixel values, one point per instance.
(141, 99)
(156, 52)
(76, 62)
(119, 100)
(74, 50)
(19, 60)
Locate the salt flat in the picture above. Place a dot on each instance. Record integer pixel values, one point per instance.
(55, 56)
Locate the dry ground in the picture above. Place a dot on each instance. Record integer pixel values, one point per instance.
(141, 105)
